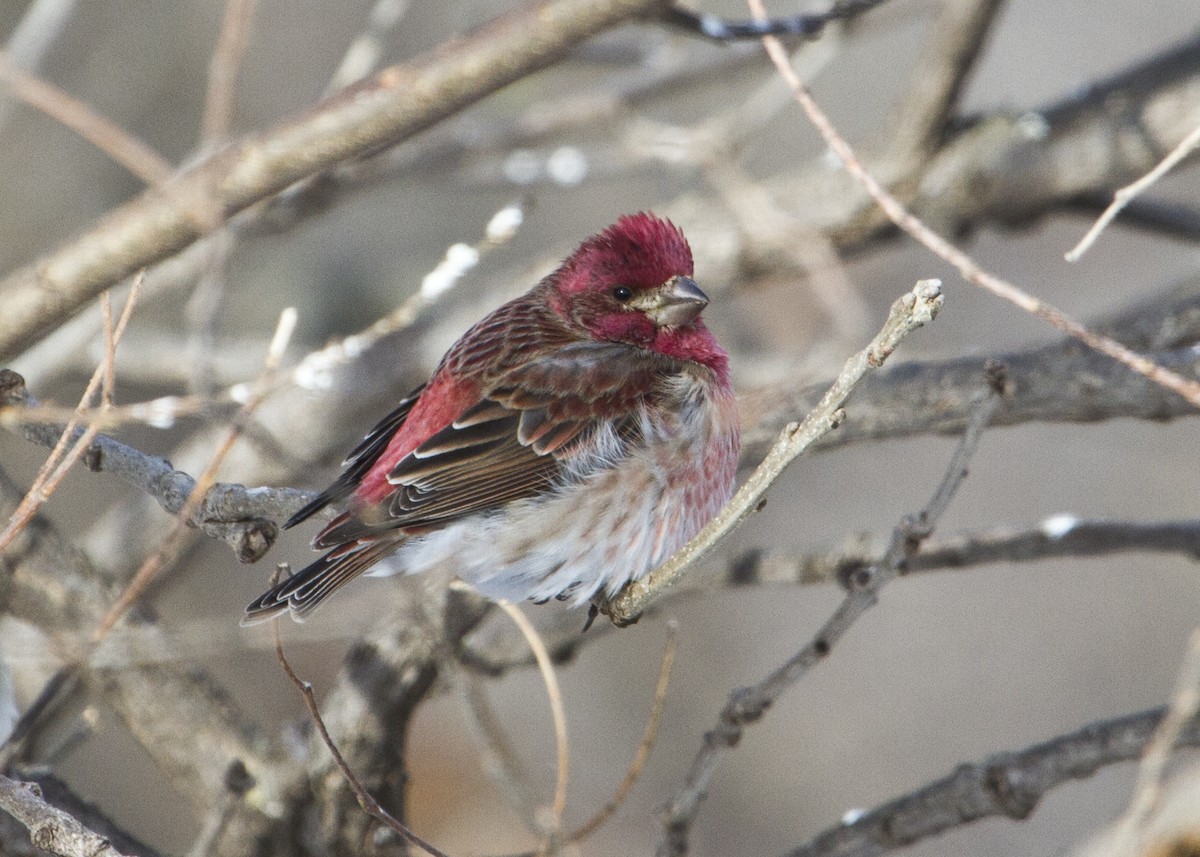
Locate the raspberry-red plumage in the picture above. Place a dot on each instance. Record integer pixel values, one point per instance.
(568, 442)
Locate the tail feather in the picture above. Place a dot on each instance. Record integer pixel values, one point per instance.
(308, 588)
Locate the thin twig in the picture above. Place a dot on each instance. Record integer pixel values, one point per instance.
(363, 54)
(966, 266)
(365, 800)
(1058, 536)
(550, 679)
(913, 310)
(41, 23)
(383, 111)
(748, 705)
(644, 747)
(61, 459)
(223, 69)
(154, 563)
(1147, 791)
(1130, 192)
(110, 138)
(1007, 785)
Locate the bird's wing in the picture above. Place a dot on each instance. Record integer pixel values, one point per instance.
(528, 432)
(360, 460)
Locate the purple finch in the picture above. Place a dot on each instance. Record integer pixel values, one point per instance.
(568, 443)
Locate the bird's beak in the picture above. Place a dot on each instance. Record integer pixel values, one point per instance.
(677, 301)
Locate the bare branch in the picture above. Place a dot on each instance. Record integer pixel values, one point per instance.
(110, 138)
(967, 267)
(748, 704)
(395, 104)
(1009, 785)
(1127, 194)
(913, 310)
(561, 744)
(188, 725)
(237, 515)
(51, 829)
(1057, 537)
(951, 51)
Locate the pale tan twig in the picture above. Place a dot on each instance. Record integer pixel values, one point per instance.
(910, 312)
(154, 563)
(223, 69)
(760, 215)
(383, 111)
(61, 459)
(29, 41)
(553, 692)
(159, 413)
(1147, 791)
(643, 751)
(362, 56)
(966, 266)
(41, 23)
(365, 800)
(104, 134)
(204, 305)
(314, 371)
(1127, 194)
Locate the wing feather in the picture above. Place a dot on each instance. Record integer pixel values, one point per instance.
(523, 435)
(360, 460)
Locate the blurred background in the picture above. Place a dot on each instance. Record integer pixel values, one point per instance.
(951, 667)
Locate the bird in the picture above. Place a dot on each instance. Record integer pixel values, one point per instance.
(568, 443)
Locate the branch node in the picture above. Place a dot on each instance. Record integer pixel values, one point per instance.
(1003, 780)
(997, 377)
(237, 779)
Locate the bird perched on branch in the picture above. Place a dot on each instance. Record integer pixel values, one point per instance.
(568, 443)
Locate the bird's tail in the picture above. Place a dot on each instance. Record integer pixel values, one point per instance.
(308, 588)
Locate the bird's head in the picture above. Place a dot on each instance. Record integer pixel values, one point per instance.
(633, 283)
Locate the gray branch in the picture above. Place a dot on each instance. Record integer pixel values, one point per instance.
(395, 104)
(1007, 784)
(1053, 539)
(747, 705)
(51, 829)
(1063, 382)
(189, 725)
(237, 515)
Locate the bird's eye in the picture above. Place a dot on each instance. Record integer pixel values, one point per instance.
(622, 293)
